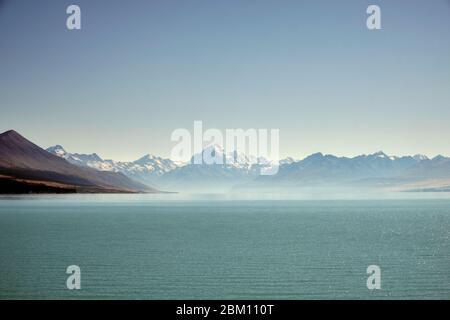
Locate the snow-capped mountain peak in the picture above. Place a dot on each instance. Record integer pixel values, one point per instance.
(57, 150)
(216, 154)
(380, 154)
(288, 160)
(145, 159)
(211, 154)
(420, 157)
(145, 169)
(239, 167)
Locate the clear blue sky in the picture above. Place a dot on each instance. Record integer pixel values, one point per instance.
(140, 69)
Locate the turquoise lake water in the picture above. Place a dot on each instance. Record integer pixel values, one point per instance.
(144, 247)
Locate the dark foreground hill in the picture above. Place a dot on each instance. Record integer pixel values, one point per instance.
(27, 168)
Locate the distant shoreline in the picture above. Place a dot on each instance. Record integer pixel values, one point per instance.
(12, 185)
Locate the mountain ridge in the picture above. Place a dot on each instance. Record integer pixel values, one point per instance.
(375, 169)
(23, 161)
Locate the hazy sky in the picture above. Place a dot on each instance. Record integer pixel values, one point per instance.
(137, 70)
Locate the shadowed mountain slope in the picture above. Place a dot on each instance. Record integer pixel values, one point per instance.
(22, 160)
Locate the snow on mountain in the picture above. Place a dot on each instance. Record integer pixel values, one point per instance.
(58, 150)
(150, 164)
(217, 155)
(377, 169)
(420, 157)
(213, 169)
(380, 154)
(145, 169)
(23, 161)
(88, 160)
(287, 160)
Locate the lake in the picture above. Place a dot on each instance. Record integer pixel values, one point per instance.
(157, 247)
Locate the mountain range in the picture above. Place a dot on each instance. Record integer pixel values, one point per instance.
(377, 170)
(27, 168)
(146, 169)
(166, 174)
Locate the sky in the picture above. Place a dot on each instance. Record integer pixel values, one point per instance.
(137, 70)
